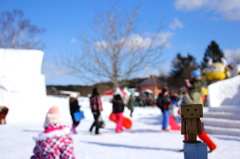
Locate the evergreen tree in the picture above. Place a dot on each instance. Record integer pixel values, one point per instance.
(182, 68)
(212, 52)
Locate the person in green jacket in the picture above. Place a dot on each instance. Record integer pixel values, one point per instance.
(194, 96)
(131, 104)
(194, 87)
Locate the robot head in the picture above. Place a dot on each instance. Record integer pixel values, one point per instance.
(215, 71)
(191, 111)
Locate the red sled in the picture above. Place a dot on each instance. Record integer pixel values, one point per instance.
(126, 123)
(205, 138)
(173, 123)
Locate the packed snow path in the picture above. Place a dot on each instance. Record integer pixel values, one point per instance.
(144, 140)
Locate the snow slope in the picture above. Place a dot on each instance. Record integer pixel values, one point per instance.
(225, 92)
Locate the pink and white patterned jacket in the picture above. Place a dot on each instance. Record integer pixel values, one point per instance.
(54, 143)
(96, 104)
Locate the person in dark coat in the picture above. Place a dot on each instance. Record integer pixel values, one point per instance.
(131, 104)
(163, 102)
(96, 107)
(74, 107)
(3, 114)
(118, 108)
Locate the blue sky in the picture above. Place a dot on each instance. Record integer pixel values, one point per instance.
(188, 25)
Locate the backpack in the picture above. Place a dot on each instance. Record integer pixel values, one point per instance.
(160, 103)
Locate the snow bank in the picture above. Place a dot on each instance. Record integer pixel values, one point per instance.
(225, 92)
(22, 86)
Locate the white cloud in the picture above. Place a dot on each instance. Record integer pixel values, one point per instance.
(176, 24)
(165, 38)
(137, 42)
(232, 56)
(73, 40)
(51, 70)
(228, 9)
(189, 4)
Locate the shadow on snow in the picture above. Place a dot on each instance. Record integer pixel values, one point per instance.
(130, 146)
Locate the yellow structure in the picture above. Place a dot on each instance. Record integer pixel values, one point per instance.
(216, 71)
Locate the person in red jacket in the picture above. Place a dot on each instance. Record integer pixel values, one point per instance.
(55, 141)
(96, 107)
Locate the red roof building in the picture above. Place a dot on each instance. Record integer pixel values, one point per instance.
(152, 83)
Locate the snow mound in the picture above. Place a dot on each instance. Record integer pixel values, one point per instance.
(22, 86)
(225, 92)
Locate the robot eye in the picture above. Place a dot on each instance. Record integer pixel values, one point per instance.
(213, 69)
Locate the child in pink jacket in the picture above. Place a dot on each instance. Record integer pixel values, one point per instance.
(55, 141)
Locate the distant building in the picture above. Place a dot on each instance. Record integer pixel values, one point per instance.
(151, 85)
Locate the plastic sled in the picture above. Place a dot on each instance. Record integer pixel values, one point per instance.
(205, 138)
(173, 123)
(127, 123)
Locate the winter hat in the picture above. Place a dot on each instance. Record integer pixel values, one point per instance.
(196, 74)
(164, 88)
(53, 116)
(74, 95)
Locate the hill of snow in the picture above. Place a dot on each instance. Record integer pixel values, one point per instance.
(225, 92)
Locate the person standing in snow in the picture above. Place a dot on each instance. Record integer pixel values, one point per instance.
(118, 108)
(194, 96)
(96, 107)
(3, 114)
(55, 141)
(163, 102)
(131, 104)
(174, 97)
(194, 88)
(74, 107)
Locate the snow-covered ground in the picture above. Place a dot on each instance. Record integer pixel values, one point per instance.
(144, 140)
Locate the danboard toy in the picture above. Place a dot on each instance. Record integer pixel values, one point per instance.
(126, 123)
(191, 126)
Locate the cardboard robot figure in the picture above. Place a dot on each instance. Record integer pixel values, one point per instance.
(191, 124)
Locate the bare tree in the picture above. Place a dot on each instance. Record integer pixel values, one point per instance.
(17, 32)
(116, 48)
